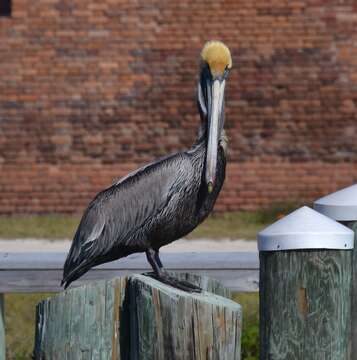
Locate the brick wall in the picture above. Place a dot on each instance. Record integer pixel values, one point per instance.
(90, 90)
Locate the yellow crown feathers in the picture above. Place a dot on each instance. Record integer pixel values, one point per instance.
(217, 56)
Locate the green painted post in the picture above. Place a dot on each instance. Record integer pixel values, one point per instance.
(353, 226)
(2, 329)
(342, 207)
(139, 318)
(305, 288)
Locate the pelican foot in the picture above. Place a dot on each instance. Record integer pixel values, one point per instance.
(176, 283)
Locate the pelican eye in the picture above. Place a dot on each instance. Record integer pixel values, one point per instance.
(226, 71)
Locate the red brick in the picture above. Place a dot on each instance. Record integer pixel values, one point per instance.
(109, 86)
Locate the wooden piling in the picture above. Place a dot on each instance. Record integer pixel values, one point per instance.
(353, 226)
(2, 329)
(342, 207)
(305, 289)
(138, 317)
(305, 301)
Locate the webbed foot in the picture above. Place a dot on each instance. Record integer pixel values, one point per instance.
(176, 283)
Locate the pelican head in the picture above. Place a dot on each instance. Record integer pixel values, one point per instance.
(215, 66)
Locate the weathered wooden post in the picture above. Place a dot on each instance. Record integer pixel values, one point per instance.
(2, 329)
(305, 288)
(342, 206)
(139, 318)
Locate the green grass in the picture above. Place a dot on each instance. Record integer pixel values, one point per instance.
(229, 225)
(38, 226)
(20, 324)
(250, 335)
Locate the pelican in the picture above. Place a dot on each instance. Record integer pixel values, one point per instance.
(166, 199)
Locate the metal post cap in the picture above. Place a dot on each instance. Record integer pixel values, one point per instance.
(340, 205)
(305, 228)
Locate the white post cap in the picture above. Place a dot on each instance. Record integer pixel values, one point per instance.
(305, 228)
(340, 205)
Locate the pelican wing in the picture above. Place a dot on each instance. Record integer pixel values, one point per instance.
(113, 222)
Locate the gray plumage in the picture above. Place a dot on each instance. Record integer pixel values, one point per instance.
(154, 206)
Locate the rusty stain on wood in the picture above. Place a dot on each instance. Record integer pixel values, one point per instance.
(302, 301)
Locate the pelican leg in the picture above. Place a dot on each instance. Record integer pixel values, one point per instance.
(157, 259)
(155, 263)
(162, 275)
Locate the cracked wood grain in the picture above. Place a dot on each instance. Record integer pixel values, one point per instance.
(305, 305)
(138, 317)
(353, 226)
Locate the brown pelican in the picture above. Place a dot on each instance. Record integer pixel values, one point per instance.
(166, 199)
